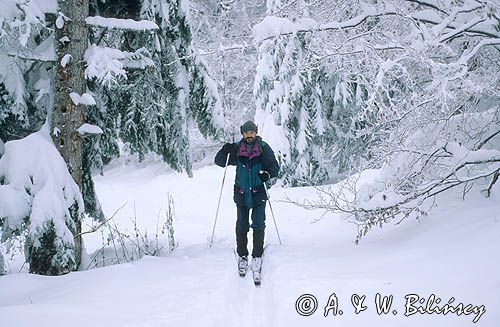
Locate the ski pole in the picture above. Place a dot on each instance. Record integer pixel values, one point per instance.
(272, 213)
(218, 204)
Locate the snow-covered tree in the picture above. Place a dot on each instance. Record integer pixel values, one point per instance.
(419, 81)
(70, 100)
(289, 104)
(151, 109)
(39, 198)
(91, 86)
(222, 38)
(26, 53)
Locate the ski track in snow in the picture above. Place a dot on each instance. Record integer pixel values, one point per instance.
(448, 253)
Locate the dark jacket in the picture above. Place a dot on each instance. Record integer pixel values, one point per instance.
(248, 188)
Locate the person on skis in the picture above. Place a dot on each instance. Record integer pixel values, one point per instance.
(255, 164)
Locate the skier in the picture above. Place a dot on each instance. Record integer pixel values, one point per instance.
(255, 164)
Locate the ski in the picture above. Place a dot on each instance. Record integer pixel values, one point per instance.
(242, 265)
(257, 271)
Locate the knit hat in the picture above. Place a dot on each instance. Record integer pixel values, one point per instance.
(249, 126)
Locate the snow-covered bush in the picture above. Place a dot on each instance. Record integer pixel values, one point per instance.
(436, 157)
(37, 195)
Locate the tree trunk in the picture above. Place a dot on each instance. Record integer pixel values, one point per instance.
(68, 117)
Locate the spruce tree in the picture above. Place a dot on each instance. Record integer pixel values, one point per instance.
(289, 105)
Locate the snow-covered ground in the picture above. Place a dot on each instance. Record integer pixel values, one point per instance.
(452, 253)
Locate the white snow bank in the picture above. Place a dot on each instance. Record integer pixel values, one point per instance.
(420, 257)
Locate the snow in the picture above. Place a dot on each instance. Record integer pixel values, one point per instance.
(31, 11)
(448, 253)
(15, 204)
(462, 155)
(104, 64)
(451, 253)
(61, 18)
(43, 88)
(65, 60)
(64, 39)
(107, 65)
(273, 133)
(85, 99)
(272, 26)
(45, 51)
(128, 24)
(36, 184)
(427, 15)
(47, 6)
(59, 22)
(378, 200)
(12, 78)
(75, 98)
(89, 129)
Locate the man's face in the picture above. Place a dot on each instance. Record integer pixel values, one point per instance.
(249, 137)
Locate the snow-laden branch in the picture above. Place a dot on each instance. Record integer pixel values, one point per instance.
(461, 29)
(439, 28)
(467, 55)
(460, 159)
(373, 207)
(89, 129)
(124, 24)
(438, 156)
(430, 4)
(461, 156)
(485, 28)
(272, 26)
(108, 64)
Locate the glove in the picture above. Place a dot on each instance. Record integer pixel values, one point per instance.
(228, 147)
(264, 176)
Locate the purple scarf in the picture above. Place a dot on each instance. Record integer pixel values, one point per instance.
(243, 151)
